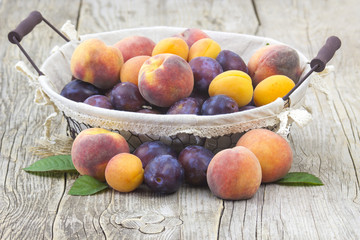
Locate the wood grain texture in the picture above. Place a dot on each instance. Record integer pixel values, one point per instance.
(227, 15)
(28, 203)
(38, 206)
(328, 146)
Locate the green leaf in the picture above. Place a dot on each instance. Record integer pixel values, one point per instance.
(61, 163)
(300, 178)
(86, 185)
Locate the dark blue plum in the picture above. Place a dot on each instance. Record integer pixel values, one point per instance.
(205, 69)
(164, 174)
(147, 151)
(79, 91)
(126, 96)
(99, 101)
(195, 161)
(219, 104)
(230, 60)
(187, 105)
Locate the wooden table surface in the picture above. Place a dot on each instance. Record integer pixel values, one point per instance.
(38, 206)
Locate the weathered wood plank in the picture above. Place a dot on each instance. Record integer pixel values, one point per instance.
(28, 203)
(99, 16)
(327, 147)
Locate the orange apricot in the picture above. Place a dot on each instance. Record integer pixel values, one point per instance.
(130, 70)
(124, 172)
(234, 84)
(173, 45)
(205, 47)
(271, 88)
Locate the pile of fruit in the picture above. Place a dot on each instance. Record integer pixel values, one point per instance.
(188, 73)
(236, 173)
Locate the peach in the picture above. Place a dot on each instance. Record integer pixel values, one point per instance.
(234, 174)
(130, 70)
(165, 79)
(191, 35)
(273, 152)
(172, 45)
(274, 59)
(96, 63)
(234, 84)
(133, 46)
(205, 47)
(93, 148)
(124, 172)
(272, 88)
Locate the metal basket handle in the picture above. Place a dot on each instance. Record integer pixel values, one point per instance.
(318, 63)
(25, 27)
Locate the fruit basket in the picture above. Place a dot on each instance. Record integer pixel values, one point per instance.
(215, 132)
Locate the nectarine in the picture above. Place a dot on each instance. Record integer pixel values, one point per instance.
(274, 59)
(234, 174)
(133, 46)
(272, 150)
(96, 63)
(93, 148)
(165, 79)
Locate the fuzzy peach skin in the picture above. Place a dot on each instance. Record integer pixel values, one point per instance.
(274, 60)
(235, 84)
(205, 47)
(172, 45)
(124, 172)
(234, 174)
(165, 79)
(192, 35)
(130, 70)
(271, 88)
(272, 150)
(96, 63)
(133, 46)
(93, 148)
